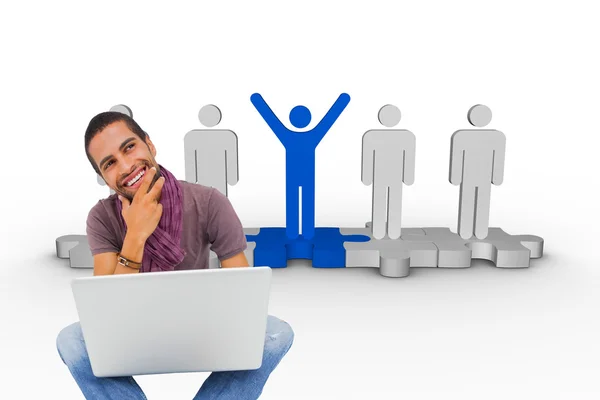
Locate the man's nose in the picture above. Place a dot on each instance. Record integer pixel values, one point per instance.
(126, 168)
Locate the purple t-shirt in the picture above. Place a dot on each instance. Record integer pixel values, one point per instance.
(209, 223)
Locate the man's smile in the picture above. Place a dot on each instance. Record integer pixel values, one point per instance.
(135, 179)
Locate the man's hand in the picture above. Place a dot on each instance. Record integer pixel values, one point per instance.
(143, 213)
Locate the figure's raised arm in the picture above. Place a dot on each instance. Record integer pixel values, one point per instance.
(231, 153)
(331, 116)
(499, 156)
(268, 115)
(456, 159)
(368, 156)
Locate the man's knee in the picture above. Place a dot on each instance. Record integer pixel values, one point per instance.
(279, 333)
(70, 344)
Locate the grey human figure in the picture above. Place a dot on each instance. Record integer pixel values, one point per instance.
(388, 162)
(476, 162)
(122, 108)
(211, 155)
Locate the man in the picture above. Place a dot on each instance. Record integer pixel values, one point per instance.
(154, 224)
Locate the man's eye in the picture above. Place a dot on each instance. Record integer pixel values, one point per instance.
(108, 163)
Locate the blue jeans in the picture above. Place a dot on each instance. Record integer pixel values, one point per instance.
(224, 385)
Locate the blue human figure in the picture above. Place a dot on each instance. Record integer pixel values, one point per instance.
(300, 159)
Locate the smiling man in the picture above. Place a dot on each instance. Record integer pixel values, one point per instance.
(155, 222)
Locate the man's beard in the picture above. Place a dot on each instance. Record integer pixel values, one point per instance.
(122, 190)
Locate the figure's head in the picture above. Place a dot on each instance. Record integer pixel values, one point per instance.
(389, 115)
(209, 115)
(300, 117)
(122, 108)
(118, 150)
(479, 115)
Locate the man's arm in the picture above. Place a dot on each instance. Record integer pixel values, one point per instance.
(239, 260)
(225, 232)
(269, 116)
(104, 247)
(332, 115)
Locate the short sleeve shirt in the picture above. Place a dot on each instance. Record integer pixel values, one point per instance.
(209, 223)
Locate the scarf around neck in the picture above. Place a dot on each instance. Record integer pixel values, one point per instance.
(162, 251)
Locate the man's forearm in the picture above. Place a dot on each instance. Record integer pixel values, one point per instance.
(133, 249)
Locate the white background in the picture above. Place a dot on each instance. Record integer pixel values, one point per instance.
(477, 333)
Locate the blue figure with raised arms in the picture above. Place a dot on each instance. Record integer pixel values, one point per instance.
(300, 159)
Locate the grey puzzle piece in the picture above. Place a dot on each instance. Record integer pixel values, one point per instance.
(393, 257)
(507, 251)
(76, 249)
(249, 252)
(504, 250)
(453, 251)
(213, 260)
(251, 245)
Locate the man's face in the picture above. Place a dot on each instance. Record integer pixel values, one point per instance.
(121, 156)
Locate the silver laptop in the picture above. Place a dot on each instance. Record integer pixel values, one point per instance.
(175, 321)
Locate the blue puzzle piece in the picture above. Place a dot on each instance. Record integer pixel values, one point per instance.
(325, 248)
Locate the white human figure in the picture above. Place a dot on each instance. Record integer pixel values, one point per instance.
(388, 162)
(122, 108)
(211, 155)
(476, 161)
(102, 183)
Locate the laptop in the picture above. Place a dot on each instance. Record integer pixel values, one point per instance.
(174, 321)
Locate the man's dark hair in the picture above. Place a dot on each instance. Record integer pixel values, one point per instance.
(101, 121)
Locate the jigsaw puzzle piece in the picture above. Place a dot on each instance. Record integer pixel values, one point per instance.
(421, 254)
(76, 248)
(535, 244)
(248, 232)
(506, 251)
(403, 231)
(328, 249)
(393, 257)
(270, 246)
(213, 260)
(249, 252)
(392, 262)
(453, 251)
(251, 231)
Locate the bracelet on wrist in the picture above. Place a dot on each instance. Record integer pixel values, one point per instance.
(127, 262)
